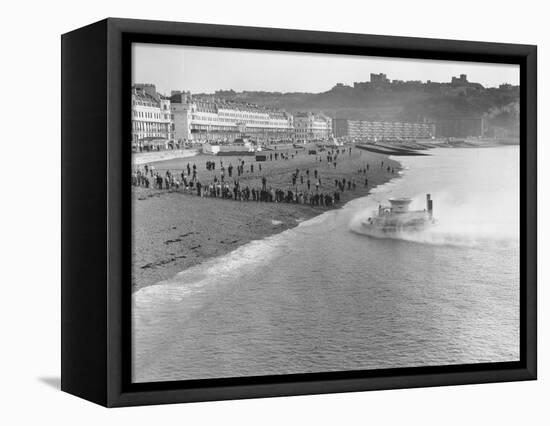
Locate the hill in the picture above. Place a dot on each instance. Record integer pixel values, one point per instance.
(399, 101)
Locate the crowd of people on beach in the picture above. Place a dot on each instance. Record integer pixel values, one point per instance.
(225, 182)
(149, 178)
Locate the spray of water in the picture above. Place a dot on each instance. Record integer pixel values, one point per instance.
(476, 208)
(470, 221)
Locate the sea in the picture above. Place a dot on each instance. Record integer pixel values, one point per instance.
(327, 296)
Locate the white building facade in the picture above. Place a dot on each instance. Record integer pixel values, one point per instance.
(202, 120)
(151, 118)
(309, 127)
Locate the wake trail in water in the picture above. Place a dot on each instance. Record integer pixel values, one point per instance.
(264, 306)
(471, 210)
(468, 223)
(435, 235)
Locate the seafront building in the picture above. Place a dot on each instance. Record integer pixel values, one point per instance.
(207, 119)
(379, 130)
(151, 118)
(309, 126)
(161, 122)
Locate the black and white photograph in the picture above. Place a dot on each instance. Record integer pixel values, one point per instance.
(298, 212)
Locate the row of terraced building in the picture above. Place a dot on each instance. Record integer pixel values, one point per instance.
(182, 117)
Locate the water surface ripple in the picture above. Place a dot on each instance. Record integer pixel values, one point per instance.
(325, 297)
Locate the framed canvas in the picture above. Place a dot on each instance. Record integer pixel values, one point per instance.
(257, 212)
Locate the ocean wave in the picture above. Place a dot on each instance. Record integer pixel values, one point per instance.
(252, 254)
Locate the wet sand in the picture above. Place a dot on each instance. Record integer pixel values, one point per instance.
(173, 231)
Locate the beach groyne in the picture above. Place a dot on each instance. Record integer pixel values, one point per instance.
(382, 149)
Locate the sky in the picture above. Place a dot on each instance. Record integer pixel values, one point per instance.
(207, 69)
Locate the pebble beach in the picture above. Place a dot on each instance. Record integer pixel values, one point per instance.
(176, 229)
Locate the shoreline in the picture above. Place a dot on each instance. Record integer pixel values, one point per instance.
(173, 230)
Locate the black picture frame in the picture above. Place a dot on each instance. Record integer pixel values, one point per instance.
(96, 287)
